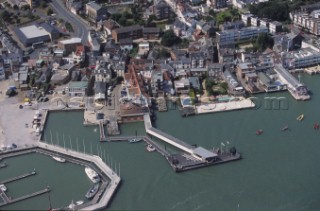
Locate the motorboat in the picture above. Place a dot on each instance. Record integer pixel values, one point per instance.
(300, 117)
(134, 140)
(59, 159)
(79, 202)
(92, 174)
(285, 128)
(150, 148)
(3, 188)
(259, 132)
(93, 191)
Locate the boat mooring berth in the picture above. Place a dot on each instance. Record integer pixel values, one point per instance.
(107, 185)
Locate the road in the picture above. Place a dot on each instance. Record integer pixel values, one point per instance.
(175, 9)
(81, 27)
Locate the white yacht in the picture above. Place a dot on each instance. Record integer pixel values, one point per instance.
(94, 177)
(59, 159)
(3, 187)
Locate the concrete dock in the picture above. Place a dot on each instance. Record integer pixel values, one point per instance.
(7, 200)
(18, 177)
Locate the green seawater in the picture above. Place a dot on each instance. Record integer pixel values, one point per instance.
(279, 170)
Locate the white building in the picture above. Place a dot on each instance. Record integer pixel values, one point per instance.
(302, 58)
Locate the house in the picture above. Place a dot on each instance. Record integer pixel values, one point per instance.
(161, 10)
(215, 71)
(77, 88)
(109, 25)
(232, 25)
(69, 45)
(255, 21)
(275, 27)
(268, 84)
(156, 82)
(218, 4)
(246, 18)
(182, 86)
(245, 68)
(62, 74)
(126, 44)
(234, 86)
(194, 83)
(305, 57)
(133, 32)
(287, 42)
(226, 55)
(151, 33)
(74, 6)
(95, 12)
(100, 89)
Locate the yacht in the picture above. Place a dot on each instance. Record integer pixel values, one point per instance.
(3, 188)
(59, 159)
(134, 140)
(300, 118)
(93, 175)
(93, 191)
(150, 148)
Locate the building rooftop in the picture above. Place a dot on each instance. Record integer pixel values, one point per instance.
(33, 31)
(73, 40)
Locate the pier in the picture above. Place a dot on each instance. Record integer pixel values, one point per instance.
(18, 177)
(102, 135)
(123, 138)
(7, 200)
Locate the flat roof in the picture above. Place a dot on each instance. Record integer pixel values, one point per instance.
(204, 153)
(33, 31)
(73, 40)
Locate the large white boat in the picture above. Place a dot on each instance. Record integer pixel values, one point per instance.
(94, 177)
(59, 159)
(3, 187)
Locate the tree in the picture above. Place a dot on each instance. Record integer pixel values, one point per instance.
(163, 53)
(212, 13)
(263, 41)
(169, 38)
(49, 12)
(44, 4)
(5, 15)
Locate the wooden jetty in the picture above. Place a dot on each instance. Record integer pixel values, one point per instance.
(102, 135)
(18, 177)
(8, 200)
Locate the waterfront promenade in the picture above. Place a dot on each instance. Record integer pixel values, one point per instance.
(225, 106)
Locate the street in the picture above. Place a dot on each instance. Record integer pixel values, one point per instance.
(81, 28)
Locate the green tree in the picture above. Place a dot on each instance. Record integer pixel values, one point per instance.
(163, 53)
(264, 41)
(169, 38)
(44, 4)
(49, 12)
(5, 15)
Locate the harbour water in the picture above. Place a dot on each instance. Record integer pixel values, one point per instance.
(279, 170)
